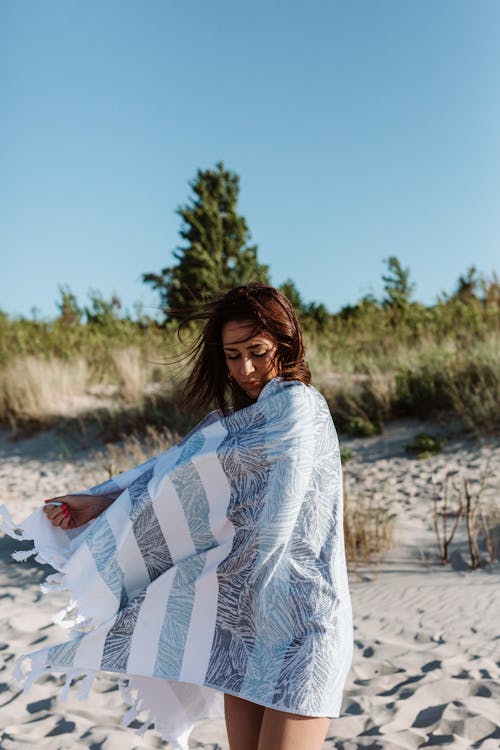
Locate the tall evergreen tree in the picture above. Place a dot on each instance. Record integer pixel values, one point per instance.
(293, 295)
(70, 312)
(216, 255)
(468, 284)
(397, 286)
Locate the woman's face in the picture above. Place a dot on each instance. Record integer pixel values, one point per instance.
(250, 361)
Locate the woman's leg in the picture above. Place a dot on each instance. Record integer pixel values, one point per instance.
(284, 731)
(243, 720)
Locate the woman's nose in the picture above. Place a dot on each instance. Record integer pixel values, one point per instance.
(247, 366)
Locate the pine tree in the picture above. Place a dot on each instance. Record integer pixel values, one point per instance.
(216, 255)
(397, 286)
(293, 295)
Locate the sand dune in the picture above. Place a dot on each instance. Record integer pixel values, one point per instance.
(426, 667)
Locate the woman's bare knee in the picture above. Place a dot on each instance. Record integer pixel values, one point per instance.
(285, 731)
(243, 720)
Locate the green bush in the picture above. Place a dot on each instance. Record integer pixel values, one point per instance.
(373, 361)
(424, 445)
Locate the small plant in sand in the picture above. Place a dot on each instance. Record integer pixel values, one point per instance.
(368, 523)
(424, 445)
(478, 519)
(490, 527)
(346, 455)
(463, 496)
(133, 450)
(448, 508)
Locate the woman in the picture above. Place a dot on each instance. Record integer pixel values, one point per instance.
(239, 529)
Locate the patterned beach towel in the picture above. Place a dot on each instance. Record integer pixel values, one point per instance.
(220, 568)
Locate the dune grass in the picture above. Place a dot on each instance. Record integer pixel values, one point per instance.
(368, 524)
(433, 380)
(124, 378)
(373, 364)
(33, 389)
(130, 384)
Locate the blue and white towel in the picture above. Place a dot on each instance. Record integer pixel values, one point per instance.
(220, 568)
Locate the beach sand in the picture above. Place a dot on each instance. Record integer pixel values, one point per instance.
(426, 666)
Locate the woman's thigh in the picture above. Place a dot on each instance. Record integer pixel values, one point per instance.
(285, 731)
(243, 720)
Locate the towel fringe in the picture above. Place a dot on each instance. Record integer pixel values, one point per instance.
(125, 690)
(86, 685)
(63, 695)
(24, 554)
(17, 671)
(8, 524)
(26, 678)
(133, 712)
(30, 679)
(89, 675)
(53, 582)
(141, 731)
(129, 716)
(58, 618)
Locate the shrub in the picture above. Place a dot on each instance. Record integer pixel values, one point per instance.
(368, 525)
(424, 445)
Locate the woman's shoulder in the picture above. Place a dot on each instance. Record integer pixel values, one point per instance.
(278, 388)
(290, 388)
(291, 395)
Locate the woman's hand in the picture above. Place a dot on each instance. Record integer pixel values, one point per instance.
(75, 510)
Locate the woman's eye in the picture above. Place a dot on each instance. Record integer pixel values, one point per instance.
(254, 354)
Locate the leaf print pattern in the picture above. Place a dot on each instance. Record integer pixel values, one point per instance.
(151, 542)
(139, 494)
(101, 543)
(177, 618)
(275, 617)
(243, 459)
(192, 495)
(118, 639)
(63, 654)
(262, 599)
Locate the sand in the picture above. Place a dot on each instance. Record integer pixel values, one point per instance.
(426, 667)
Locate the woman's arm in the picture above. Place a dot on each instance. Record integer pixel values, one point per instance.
(71, 511)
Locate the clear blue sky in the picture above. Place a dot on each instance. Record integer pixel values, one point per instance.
(360, 129)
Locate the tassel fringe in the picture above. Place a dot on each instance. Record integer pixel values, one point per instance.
(8, 525)
(27, 669)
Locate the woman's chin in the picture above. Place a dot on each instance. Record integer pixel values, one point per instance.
(253, 391)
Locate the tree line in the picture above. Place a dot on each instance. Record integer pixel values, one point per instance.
(376, 359)
(216, 253)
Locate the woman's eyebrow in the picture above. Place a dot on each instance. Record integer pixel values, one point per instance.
(233, 348)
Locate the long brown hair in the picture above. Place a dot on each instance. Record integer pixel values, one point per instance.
(208, 383)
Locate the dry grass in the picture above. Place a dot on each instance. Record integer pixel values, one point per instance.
(34, 389)
(490, 528)
(364, 392)
(475, 391)
(133, 450)
(471, 495)
(368, 524)
(132, 374)
(38, 390)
